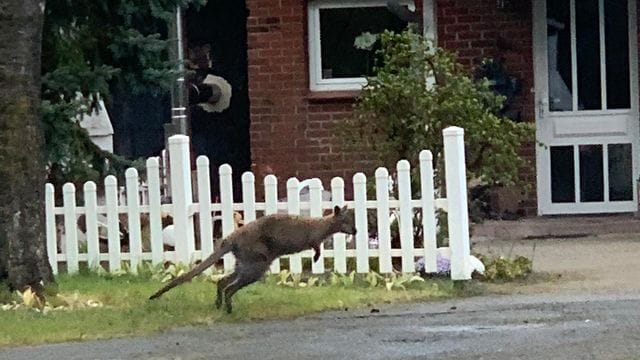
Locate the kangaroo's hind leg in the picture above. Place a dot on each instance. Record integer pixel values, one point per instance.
(247, 273)
(222, 284)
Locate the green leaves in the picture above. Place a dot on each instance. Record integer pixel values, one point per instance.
(417, 92)
(94, 47)
(505, 269)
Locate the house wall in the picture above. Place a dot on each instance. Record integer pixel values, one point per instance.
(292, 128)
(477, 29)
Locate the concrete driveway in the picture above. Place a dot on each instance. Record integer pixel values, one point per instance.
(593, 264)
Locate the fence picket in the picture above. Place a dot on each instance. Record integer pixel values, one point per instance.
(405, 216)
(293, 203)
(133, 216)
(384, 230)
(362, 235)
(155, 213)
(91, 221)
(113, 221)
(315, 198)
(428, 211)
(226, 204)
(204, 206)
(339, 240)
(271, 207)
(70, 227)
(249, 197)
(52, 236)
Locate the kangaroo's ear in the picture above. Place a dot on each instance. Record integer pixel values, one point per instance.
(336, 210)
(344, 209)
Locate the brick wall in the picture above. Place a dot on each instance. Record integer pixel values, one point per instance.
(291, 128)
(476, 29)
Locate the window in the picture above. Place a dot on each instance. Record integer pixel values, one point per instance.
(334, 62)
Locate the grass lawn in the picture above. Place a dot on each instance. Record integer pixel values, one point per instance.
(125, 309)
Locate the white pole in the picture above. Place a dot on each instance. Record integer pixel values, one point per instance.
(458, 220)
(181, 196)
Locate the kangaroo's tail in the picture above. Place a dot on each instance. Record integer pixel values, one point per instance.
(212, 259)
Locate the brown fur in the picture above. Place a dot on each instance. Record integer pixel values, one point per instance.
(258, 243)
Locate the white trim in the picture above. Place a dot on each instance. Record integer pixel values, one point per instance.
(316, 82)
(541, 86)
(603, 55)
(574, 56)
(430, 20)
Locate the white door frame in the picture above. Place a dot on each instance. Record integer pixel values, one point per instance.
(620, 125)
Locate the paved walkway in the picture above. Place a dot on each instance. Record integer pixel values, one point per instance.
(593, 264)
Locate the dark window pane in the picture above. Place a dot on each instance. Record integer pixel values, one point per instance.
(620, 172)
(617, 52)
(338, 30)
(562, 176)
(559, 55)
(591, 173)
(588, 54)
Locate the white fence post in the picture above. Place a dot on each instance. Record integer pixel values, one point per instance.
(113, 221)
(339, 239)
(271, 207)
(155, 213)
(458, 220)
(384, 231)
(428, 212)
(315, 200)
(293, 203)
(181, 196)
(70, 227)
(133, 217)
(226, 204)
(204, 205)
(52, 241)
(362, 234)
(91, 217)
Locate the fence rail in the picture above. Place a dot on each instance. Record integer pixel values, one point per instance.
(105, 241)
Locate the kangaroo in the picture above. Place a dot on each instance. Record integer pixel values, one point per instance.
(257, 244)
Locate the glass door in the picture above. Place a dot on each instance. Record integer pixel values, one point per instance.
(585, 56)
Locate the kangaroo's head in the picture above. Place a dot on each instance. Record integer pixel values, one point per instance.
(344, 220)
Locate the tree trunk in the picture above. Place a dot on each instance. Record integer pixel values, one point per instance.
(23, 253)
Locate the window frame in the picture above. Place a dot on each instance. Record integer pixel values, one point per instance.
(316, 82)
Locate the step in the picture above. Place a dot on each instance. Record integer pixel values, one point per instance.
(557, 226)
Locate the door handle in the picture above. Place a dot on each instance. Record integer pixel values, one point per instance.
(543, 105)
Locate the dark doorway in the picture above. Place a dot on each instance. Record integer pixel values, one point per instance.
(216, 42)
(138, 123)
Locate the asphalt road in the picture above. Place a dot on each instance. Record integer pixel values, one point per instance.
(507, 327)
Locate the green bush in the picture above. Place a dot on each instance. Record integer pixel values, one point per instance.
(505, 269)
(419, 90)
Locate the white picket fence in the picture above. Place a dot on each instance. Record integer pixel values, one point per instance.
(182, 208)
